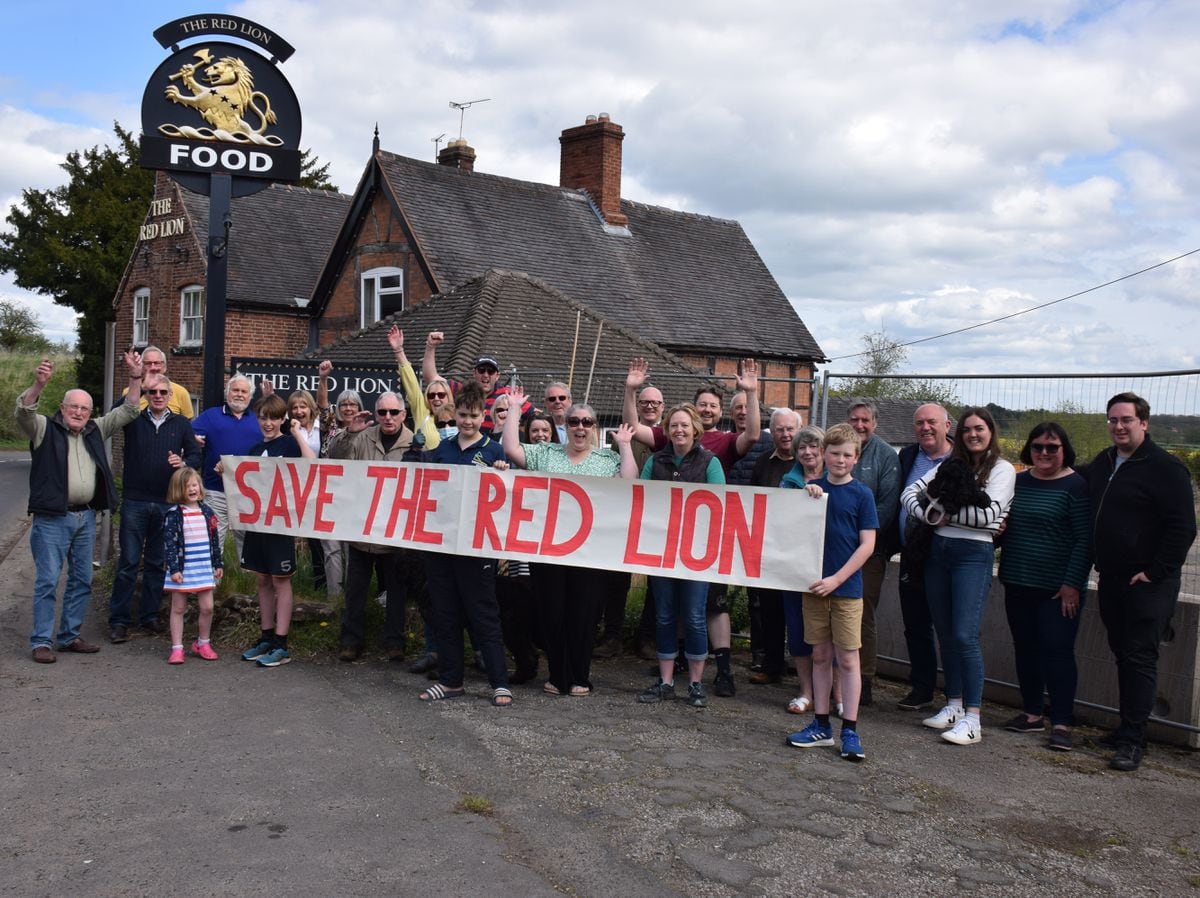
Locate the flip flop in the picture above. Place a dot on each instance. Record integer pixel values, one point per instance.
(550, 689)
(580, 691)
(499, 695)
(799, 705)
(437, 692)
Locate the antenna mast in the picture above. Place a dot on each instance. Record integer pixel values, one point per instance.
(462, 110)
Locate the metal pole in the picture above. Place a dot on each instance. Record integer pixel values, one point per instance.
(219, 222)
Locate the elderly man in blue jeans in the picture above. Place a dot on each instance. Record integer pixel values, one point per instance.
(69, 481)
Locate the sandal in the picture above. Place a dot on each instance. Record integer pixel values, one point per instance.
(550, 689)
(799, 705)
(502, 697)
(580, 691)
(437, 692)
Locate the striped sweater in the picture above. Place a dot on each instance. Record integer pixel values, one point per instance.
(1046, 541)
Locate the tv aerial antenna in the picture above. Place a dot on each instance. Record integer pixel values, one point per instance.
(462, 111)
(437, 144)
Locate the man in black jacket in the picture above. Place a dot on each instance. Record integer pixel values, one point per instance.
(157, 442)
(1143, 523)
(69, 481)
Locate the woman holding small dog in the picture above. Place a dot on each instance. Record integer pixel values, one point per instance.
(958, 571)
(1044, 564)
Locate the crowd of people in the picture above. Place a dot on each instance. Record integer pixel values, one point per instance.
(945, 503)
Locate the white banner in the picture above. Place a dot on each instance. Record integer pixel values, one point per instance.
(750, 536)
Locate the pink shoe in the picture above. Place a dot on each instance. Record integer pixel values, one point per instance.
(176, 656)
(204, 650)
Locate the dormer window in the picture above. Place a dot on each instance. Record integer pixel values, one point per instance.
(382, 294)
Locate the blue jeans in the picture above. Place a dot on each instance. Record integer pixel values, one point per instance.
(1044, 647)
(141, 540)
(958, 575)
(54, 541)
(684, 600)
(793, 616)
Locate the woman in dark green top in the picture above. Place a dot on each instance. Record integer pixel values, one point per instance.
(1044, 563)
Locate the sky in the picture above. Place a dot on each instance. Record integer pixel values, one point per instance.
(908, 168)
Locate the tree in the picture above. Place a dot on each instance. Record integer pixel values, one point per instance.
(882, 359)
(20, 330)
(313, 173)
(72, 242)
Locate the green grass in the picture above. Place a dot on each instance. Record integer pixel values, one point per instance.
(475, 804)
(16, 375)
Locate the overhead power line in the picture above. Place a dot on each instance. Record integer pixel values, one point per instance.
(971, 327)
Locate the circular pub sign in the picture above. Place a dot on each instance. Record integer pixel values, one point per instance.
(220, 108)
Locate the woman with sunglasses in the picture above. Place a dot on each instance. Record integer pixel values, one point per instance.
(1044, 564)
(958, 571)
(569, 597)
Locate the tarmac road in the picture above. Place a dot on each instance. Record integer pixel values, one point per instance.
(121, 776)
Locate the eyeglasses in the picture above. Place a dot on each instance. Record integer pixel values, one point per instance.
(158, 392)
(389, 411)
(1125, 422)
(557, 398)
(651, 402)
(435, 394)
(85, 409)
(486, 369)
(581, 422)
(1046, 448)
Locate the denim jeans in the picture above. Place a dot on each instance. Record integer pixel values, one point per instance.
(1044, 646)
(958, 575)
(793, 615)
(141, 540)
(53, 541)
(684, 600)
(918, 630)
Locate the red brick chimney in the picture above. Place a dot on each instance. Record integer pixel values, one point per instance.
(457, 154)
(591, 161)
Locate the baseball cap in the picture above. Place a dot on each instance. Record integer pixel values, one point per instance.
(485, 360)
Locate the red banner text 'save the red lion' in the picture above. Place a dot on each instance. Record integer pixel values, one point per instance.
(752, 536)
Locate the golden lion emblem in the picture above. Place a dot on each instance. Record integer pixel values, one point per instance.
(224, 102)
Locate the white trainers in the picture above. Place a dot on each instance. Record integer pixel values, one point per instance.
(965, 732)
(943, 719)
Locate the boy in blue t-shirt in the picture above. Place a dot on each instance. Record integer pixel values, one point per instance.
(833, 604)
(272, 556)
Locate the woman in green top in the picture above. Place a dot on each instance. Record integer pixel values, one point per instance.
(568, 597)
(1044, 562)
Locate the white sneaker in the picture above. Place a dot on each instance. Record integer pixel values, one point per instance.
(943, 719)
(965, 732)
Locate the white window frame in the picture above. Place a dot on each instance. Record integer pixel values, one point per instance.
(141, 317)
(371, 291)
(191, 327)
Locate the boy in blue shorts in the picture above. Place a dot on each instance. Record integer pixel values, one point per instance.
(833, 604)
(272, 556)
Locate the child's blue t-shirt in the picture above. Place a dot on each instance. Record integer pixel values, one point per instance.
(850, 508)
(283, 446)
(482, 453)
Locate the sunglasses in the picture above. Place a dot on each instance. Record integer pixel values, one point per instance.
(581, 422)
(158, 392)
(557, 398)
(389, 411)
(435, 394)
(1046, 448)
(486, 369)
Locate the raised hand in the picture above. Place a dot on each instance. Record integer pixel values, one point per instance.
(395, 338)
(43, 373)
(639, 368)
(435, 338)
(748, 379)
(268, 388)
(359, 422)
(324, 368)
(623, 434)
(133, 361)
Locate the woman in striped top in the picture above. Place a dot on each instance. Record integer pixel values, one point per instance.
(1044, 563)
(194, 562)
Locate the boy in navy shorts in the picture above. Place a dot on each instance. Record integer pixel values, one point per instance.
(833, 604)
(272, 556)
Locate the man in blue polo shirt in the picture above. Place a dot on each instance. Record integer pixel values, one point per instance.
(226, 430)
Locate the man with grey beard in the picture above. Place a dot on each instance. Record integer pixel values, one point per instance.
(225, 430)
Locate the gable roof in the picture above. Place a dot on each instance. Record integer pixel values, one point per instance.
(687, 281)
(535, 324)
(278, 244)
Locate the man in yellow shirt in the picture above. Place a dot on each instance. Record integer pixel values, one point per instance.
(154, 361)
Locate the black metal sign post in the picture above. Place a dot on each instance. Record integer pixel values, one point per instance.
(222, 121)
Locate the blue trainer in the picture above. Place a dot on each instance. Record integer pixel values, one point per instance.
(257, 651)
(852, 749)
(812, 736)
(277, 656)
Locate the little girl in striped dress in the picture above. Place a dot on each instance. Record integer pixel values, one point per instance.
(193, 554)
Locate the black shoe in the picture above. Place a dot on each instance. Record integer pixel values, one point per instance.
(864, 699)
(1060, 740)
(1109, 741)
(1127, 759)
(424, 664)
(119, 633)
(154, 625)
(723, 685)
(916, 701)
(349, 653)
(1022, 724)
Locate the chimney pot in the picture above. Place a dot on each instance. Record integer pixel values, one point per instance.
(589, 120)
(603, 116)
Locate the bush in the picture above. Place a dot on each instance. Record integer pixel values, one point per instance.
(16, 375)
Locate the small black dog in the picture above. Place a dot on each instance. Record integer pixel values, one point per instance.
(952, 489)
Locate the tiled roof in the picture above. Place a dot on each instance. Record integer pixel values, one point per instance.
(682, 280)
(531, 327)
(279, 241)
